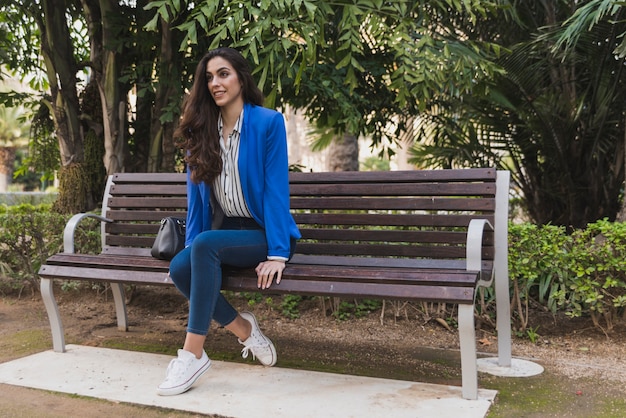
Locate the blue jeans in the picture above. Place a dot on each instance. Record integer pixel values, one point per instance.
(197, 270)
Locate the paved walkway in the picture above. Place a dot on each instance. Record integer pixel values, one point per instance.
(238, 390)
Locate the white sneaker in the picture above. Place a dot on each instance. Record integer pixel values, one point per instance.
(183, 372)
(257, 343)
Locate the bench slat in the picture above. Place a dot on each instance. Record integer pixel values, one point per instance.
(109, 261)
(142, 215)
(394, 189)
(357, 274)
(380, 250)
(450, 237)
(376, 203)
(130, 240)
(147, 202)
(463, 295)
(133, 228)
(412, 176)
(127, 251)
(416, 263)
(432, 220)
(147, 178)
(103, 274)
(146, 189)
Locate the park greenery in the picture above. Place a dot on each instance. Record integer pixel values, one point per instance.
(550, 270)
(530, 86)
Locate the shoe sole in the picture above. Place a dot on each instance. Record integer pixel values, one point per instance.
(254, 323)
(187, 385)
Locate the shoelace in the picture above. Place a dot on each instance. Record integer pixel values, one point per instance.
(257, 344)
(176, 368)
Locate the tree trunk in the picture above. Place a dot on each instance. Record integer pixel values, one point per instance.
(621, 215)
(344, 154)
(58, 55)
(7, 159)
(114, 103)
(162, 147)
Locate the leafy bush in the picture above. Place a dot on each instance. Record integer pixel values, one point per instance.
(598, 274)
(28, 236)
(538, 266)
(582, 274)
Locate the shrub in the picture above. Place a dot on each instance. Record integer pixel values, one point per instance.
(598, 267)
(581, 274)
(28, 235)
(538, 267)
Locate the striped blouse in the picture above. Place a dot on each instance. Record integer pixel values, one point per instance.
(227, 185)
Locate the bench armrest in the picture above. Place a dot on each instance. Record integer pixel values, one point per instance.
(474, 248)
(72, 224)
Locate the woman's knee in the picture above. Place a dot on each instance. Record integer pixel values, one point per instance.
(207, 243)
(180, 267)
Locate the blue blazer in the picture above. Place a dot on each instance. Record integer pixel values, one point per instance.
(264, 174)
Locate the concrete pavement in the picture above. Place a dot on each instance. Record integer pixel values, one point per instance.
(238, 390)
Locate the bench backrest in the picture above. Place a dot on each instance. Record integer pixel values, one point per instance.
(137, 202)
(393, 214)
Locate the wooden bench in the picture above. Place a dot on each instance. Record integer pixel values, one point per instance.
(405, 235)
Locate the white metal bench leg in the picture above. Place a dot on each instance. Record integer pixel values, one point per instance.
(467, 336)
(120, 306)
(56, 326)
(503, 322)
(503, 298)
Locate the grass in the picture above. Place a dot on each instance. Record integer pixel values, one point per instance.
(550, 395)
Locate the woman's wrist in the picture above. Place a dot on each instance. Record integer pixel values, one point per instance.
(276, 258)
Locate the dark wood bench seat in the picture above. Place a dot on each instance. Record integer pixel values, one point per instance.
(409, 235)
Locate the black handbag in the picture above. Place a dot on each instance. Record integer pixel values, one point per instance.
(170, 239)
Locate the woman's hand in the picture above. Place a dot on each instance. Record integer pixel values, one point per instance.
(266, 270)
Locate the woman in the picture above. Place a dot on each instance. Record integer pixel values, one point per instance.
(238, 208)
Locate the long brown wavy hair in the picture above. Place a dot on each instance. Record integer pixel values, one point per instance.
(197, 132)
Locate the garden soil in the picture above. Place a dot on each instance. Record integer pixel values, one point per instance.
(585, 367)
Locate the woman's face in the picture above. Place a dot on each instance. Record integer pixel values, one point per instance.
(223, 82)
